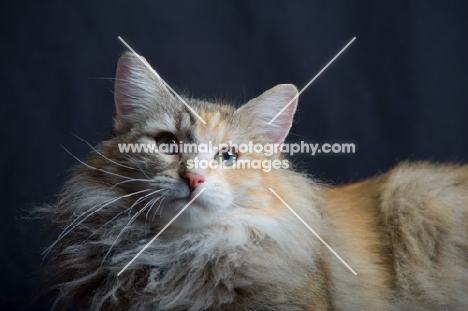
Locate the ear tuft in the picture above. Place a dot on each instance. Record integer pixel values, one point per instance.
(263, 109)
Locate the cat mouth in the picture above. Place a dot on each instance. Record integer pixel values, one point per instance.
(195, 192)
(191, 195)
(190, 199)
(196, 212)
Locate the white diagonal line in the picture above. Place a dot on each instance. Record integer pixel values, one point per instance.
(313, 79)
(312, 230)
(164, 82)
(159, 233)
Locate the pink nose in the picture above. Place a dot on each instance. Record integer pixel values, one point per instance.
(194, 179)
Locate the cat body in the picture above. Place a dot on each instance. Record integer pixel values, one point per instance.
(237, 246)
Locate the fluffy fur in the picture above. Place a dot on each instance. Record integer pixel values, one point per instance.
(237, 247)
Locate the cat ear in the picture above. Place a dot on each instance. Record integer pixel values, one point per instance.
(137, 87)
(261, 110)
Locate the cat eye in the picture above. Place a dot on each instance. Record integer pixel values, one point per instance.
(167, 144)
(226, 158)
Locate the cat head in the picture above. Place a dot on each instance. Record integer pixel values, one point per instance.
(148, 113)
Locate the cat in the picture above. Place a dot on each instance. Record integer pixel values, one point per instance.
(237, 246)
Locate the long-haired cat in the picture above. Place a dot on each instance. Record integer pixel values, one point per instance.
(237, 246)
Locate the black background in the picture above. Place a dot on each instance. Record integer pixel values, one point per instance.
(400, 91)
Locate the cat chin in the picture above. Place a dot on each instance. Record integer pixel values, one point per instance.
(191, 220)
(198, 214)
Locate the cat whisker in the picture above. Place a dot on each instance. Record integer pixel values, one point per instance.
(147, 213)
(153, 201)
(156, 211)
(89, 212)
(139, 167)
(92, 167)
(160, 213)
(149, 210)
(146, 216)
(116, 163)
(99, 207)
(130, 180)
(98, 152)
(291, 133)
(141, 199)
(108, 222)
(104, 78)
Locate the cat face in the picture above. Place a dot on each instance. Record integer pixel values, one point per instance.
(148, 113)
